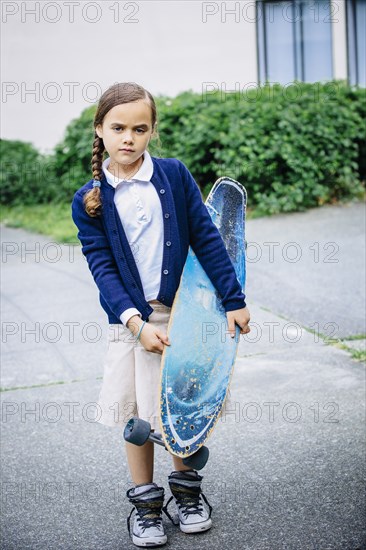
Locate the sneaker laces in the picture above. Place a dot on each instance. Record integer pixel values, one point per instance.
(187, 503)
(148, 515)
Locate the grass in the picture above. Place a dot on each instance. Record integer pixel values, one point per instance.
(355, 337)
(53, 220)
(357, 354)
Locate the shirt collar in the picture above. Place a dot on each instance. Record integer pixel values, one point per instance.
(144, 173)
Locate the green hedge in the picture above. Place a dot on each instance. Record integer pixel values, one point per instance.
(22, 174)
(292, 147)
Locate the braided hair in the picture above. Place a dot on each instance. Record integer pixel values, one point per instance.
(123, 92)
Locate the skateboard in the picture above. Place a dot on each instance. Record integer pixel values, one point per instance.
(196, 368)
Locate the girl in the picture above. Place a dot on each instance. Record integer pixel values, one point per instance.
(136, 219)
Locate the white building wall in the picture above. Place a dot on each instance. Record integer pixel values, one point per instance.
(167, 46)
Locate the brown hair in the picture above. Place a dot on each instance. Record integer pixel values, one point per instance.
(123, 92)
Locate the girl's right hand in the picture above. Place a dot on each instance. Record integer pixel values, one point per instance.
(151, 337)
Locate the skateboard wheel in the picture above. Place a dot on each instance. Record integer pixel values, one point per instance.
(137, 431)
(198, 460)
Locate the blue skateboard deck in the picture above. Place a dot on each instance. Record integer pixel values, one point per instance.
(196, 368)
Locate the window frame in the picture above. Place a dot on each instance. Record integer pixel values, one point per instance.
(353, 71)
(298, 41)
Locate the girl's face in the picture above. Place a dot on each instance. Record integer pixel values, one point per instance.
(126, 132)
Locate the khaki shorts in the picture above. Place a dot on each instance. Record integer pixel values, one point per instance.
(131, 378)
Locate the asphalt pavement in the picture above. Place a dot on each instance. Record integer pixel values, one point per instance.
(287, 463)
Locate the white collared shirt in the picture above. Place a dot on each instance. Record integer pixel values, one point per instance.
(140, 212)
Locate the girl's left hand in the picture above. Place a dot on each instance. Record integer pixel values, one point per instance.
(240, 317)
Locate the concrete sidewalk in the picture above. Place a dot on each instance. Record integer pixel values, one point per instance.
(287, 465)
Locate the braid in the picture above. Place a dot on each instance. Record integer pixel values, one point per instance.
(92, 199)
(97, 158)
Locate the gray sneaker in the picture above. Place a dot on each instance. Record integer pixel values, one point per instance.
(193, 515)
(148, 527)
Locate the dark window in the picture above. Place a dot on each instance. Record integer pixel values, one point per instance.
(356, 41)
(294, 40)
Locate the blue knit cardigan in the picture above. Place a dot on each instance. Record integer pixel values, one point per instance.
(186, 223)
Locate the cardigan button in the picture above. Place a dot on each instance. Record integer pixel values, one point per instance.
(162, 191)
(168, 243)
(165, 272)
(166, 215)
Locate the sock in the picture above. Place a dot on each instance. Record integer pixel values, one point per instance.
(138, 489)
